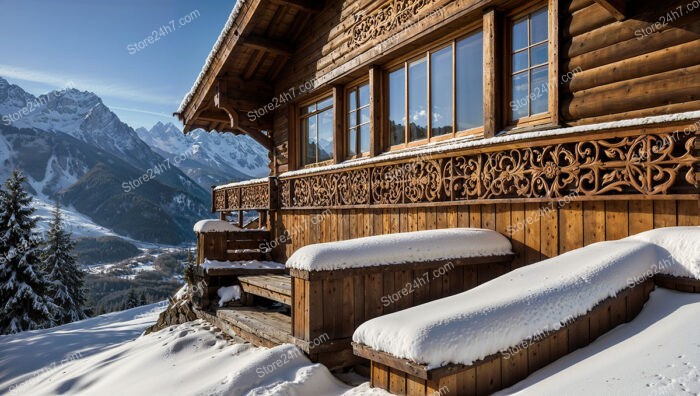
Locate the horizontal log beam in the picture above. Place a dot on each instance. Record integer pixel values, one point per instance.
(274, 46)
(303, 5)
(615, 7)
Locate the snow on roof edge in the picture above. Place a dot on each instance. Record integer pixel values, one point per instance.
(470, 142)
(214, 51)
(242, 183)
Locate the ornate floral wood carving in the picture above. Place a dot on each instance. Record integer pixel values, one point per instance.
(255, 196)
(387, 18)
(219, 199)
(285, 193)
(653, 164)
(233, 198)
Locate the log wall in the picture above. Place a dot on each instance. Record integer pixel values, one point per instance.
(647, 64)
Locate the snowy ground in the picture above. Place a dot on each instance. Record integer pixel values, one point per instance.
(106, 356)
(656, 354)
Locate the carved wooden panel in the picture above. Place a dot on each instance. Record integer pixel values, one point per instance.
(219, 199)
(389, 18)
(233, 198)
(255, 196)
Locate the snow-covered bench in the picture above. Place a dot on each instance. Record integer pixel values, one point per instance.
(337, 286)
(494, 335)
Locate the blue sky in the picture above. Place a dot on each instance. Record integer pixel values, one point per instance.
(46, 44)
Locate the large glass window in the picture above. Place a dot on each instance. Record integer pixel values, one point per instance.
(397, 106)
(317, 131)
(418, 99)
(440, 89)
(529, 65)
(438, 94)
(357, 140)
(470, 81)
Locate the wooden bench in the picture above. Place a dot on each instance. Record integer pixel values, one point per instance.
(501, 370)
(331, 304)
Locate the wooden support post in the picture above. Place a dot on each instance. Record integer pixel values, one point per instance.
(375, 110)
(240, 218)
(554, 78)
(492, 111)
(338, 125)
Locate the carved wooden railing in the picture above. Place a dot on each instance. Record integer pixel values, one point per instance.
(243, 196)
(628, 164)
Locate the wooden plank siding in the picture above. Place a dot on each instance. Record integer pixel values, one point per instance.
(536, 230)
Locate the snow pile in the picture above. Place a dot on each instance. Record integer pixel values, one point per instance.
(510, 309)
(204, 226)
(230, 293)
(106, 356)
(403, 247)
(244, 264)
(681, 245)
(658, 353)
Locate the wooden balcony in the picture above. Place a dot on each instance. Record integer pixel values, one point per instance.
(656, 163)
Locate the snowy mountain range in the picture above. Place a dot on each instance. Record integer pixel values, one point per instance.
(210, 158)
(73, 147)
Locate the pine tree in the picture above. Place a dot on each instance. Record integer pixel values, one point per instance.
(131, 301)
(142, 299)
(24, 300)
(66, 279)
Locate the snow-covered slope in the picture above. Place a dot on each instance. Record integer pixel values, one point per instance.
(211, 158)
(106, 356)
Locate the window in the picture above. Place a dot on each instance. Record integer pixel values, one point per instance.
(470, 81)
(317, 131)
(397, 107)
(357, 140)
(529, 68)
(438, 94)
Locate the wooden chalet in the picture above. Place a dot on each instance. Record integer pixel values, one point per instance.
(555, 123)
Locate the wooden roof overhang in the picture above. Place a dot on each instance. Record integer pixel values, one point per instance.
(236, 80)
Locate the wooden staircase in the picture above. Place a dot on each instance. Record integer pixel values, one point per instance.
(273, 287)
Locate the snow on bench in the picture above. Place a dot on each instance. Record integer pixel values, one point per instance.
(406, 247)
(499, 314)
(205, 226)
(681, 248)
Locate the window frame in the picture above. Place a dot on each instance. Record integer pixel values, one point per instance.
(355, 85)
(424, 52)
(551, 116)
(299, 118)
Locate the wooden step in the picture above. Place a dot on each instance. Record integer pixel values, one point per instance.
(274, 287)
(257, 325)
